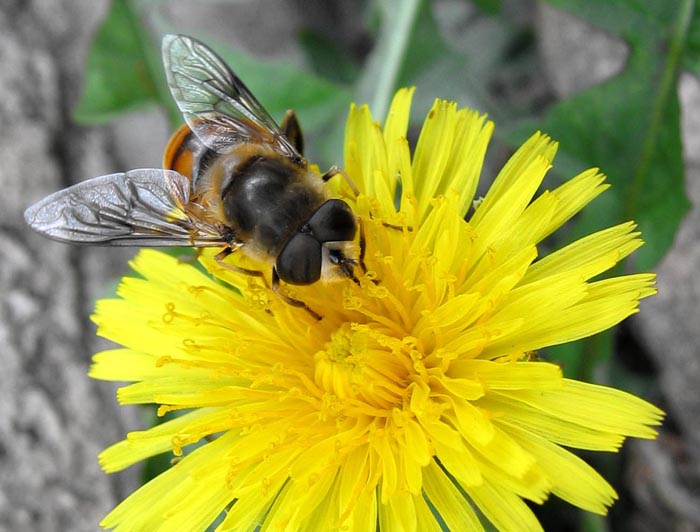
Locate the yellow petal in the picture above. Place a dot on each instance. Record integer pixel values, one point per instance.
(453, 508)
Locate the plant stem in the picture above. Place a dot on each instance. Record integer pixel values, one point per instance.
(397, 33)
(668, 82)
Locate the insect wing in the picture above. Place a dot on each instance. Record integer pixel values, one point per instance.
(141, 207)
(215, 103)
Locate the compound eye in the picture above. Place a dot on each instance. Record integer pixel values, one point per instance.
(300, 260)
(334, 221)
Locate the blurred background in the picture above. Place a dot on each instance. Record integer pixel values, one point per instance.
(82, 94)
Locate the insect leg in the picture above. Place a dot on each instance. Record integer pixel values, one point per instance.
(336, 170)
(409, 228)
(289, 300)
(190, 258)
(363, 245)
(363, 249)
(219, 258)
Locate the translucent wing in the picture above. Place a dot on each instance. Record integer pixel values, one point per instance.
(147, 207)
(215, 103)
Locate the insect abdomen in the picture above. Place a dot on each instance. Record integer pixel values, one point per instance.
(186, 154)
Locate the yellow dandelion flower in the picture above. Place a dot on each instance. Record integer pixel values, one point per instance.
(415, 399)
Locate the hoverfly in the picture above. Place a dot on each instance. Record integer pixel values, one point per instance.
(231, 178)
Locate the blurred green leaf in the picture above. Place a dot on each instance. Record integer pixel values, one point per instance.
(492, 7)
(579, 360)
(593, 522)
(327, 59)
(568, 356)
(118, 77)
(629, 126)
(692, 52)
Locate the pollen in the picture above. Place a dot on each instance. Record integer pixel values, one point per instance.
(356, 364)
(340, 366)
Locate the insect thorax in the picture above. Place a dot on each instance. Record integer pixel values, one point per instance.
(268, 200)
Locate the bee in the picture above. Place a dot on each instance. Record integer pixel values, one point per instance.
(232, 178)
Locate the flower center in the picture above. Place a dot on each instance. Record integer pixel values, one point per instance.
(357, 366)
(339, 365)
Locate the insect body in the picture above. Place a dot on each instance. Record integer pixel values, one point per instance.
(232, 178)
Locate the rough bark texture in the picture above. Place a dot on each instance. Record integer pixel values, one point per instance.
(53, 419)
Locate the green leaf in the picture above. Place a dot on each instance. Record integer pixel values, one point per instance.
(570, 357)
(629, 126)
(491, 7)
(691, 60)
(118, 76)
(327, 59)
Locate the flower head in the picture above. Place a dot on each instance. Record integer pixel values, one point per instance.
(417, 395)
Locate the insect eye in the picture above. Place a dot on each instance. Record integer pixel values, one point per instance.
(300, 260)
(334, 221)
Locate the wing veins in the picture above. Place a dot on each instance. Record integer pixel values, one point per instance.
(147, 206)
(209, 95)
